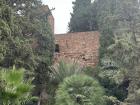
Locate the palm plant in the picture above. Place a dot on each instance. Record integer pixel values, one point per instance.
(65, 69)
(60, 71)
(80, 90)
(15, 89)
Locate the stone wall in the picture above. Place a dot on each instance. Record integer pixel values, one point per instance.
(83, 47)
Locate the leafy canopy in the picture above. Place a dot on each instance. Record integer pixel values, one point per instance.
(14, 88)
(79, 90)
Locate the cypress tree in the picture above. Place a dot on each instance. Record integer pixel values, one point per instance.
(26, 40)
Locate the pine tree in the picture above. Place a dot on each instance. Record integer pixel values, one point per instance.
(106, 15)
(82, 18)
(128, 18)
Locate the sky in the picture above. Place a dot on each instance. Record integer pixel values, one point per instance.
(61, 14)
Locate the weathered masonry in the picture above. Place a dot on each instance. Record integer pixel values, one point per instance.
(83, 47)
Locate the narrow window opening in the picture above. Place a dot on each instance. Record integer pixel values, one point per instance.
(57, 50)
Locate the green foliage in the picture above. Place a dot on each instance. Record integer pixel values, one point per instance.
(110, 17)
(15, 89)
(92, 72)
(118, 22)
(59, 72)
(115, 81)
(65, 69)
(121, 18)
(26, 39)
(115, 18)
(79, 90)
(112, 71)
(107, 23)
(13, 43)
(126, 53)
(83, 17)
(110, 100)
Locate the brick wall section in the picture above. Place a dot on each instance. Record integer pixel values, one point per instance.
(81, 46)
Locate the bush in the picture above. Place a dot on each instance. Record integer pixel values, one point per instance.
(79, 90)
(59, 72)
(90, 71)
(14, 89)
(113, 80)
(64, 69)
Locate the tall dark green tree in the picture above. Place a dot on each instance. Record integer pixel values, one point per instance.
(125, 50)
(26, 40)
(44, 51)
(120, 20)
(15, 47)
(106, 13)
(115, 17)
(126, 53)
(128, 18)
(82, 18)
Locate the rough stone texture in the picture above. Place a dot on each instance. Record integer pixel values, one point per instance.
(80, 46)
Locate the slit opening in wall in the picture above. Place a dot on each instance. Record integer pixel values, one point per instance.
(57, 50)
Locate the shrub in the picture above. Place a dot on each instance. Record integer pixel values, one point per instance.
(65, 69)
(115, 83)
(92, 71)
(14, 89)
(79, 90)
(60, 71)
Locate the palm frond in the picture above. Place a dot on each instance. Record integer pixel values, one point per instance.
(65, 69)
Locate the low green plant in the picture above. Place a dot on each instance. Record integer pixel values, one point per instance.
(59, 72)
(14, 88)
(80, 90)
(65, 69)
(92, 71)
(115, 83)
(113, 79)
